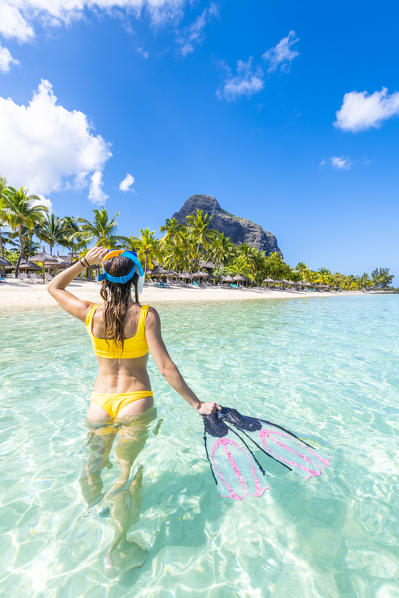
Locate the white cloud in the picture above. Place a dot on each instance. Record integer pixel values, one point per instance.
(143, 52)
(18, 17)
(127, 182)
(6, 60)
(282, 54)
(193, 33)
(338, 162)
(360, 111)
(96, 193)
(12, 23)
(246, 81)
(46, 147)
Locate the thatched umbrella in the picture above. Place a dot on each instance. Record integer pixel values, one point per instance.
(209, 265)
(4, 262)
(44, 258)
(26, 265)
(171, 274)
(227, 278)
(159, 271)
(239, 278)
(200, 274)
(61, 261)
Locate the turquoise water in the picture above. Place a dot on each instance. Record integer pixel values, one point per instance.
(326, 368)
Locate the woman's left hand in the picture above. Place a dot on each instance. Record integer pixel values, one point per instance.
(208, 407)
(95, 255)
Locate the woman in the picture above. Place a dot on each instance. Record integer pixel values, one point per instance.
(122, 332)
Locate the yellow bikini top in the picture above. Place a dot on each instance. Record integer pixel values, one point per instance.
(135, 346)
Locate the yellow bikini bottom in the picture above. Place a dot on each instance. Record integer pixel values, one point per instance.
(113, 402)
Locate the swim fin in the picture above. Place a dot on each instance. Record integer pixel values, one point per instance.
(234, 467)
(277, 443)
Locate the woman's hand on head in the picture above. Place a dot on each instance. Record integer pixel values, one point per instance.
(208, 407)
(95, 255)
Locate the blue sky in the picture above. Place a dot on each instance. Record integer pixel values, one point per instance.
(231, 99)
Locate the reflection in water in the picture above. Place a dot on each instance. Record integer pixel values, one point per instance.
(123, 501)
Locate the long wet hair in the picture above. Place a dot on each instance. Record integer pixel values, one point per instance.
(116, 297)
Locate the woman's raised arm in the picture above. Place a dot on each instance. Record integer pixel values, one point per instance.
(72, 304)
(168, 369)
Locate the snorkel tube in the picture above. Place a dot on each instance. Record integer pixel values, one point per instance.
(137, 267)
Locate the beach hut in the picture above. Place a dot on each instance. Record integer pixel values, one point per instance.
(61, 262)
(227, 278)
(171, 274)
(207, 266)
(239, 278)
(199, 276)
(158, 271)
(268, 281)
(44, 259)
(4, 264)
(27, 266)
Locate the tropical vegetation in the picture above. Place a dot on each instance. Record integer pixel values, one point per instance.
(26, 224)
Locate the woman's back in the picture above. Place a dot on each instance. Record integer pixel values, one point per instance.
(134, 343)
(121, 370)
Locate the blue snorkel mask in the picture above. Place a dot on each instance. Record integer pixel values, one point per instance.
(137, 267)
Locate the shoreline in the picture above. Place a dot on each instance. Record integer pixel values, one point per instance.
(15, 294)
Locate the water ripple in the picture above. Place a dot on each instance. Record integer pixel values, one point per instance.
(326, 368)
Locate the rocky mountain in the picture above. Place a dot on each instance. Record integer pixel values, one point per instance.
(240, 230)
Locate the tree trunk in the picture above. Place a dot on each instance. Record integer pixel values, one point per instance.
(1, 245)
(51, 249)
(21, 254)
(145, 262)
(196, 257)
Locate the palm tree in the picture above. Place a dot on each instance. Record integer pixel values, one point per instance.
(3, 187)
(240, 265)
(74, 239)
(381, 277)
(173, 238)
(147, 246)
(30, 245)
(276, 268)
(199, 231)
(102, 229)
(52, 230)
(21, 210)
(221, 249)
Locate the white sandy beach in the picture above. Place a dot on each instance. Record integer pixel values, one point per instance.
(15, 294)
